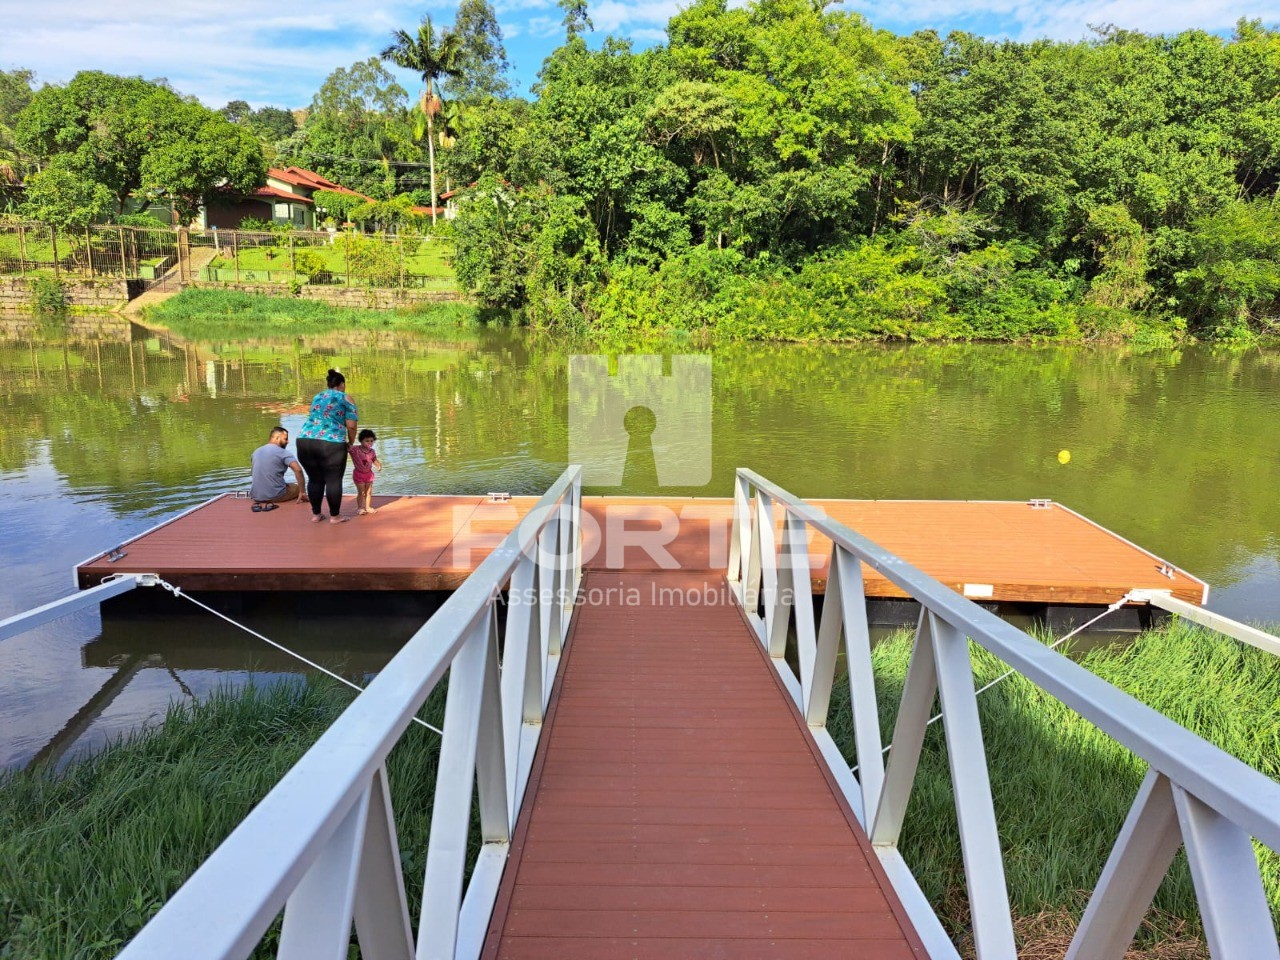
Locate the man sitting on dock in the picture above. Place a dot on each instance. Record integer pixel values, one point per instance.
(269, 464)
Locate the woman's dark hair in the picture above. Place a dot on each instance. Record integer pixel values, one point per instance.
(335, 379)
(366, 434)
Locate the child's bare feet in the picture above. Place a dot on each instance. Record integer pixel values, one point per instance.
(339, 519)
(371, 510)
(317, 517)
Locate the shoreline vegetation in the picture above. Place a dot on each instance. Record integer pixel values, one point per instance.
(89, 853)
(219, 314)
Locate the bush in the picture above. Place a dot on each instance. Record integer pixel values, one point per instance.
(1232, 289)
(48, 297)
(308, 264)
(337, 206)
(141, 220)
(375, 260)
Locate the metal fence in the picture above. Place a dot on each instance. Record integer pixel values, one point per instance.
(287, 258)
(1194, 795)
(108, 251)
(320, 258)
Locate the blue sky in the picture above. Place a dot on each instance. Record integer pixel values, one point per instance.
(278, 53)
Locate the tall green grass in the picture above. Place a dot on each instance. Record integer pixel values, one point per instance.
(88, 855)
(208, 313)
(1061, 787)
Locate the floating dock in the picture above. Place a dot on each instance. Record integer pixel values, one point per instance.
(990, 551)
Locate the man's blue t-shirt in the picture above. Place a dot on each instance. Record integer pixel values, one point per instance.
(270, 461)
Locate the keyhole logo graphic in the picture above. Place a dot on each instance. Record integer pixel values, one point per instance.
(610, 412)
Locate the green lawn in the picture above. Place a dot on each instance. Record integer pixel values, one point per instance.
(432, 258)
(32, 248)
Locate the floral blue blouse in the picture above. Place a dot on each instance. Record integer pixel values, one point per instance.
(330, 411)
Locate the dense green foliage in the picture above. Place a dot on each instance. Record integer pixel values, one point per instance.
(109, 137)
(779, 170)
(268, 124)
(15, 94)
(356, 126)
(786, 170)
(362, 129)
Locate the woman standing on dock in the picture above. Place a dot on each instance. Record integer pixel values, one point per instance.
(323, 441)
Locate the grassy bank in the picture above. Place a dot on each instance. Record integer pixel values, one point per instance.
(228, 313)
(86, 857)
(423, 258)
(1062, 788)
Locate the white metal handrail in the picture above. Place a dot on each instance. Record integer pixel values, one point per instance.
(1165, 600)
(113, 586)
(322, 844)
(1194, 794)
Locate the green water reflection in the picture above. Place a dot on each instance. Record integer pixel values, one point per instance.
(108, 427)
(1176, 450)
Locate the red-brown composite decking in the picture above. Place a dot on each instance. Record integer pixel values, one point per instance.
(1003, 551)
(678, 807)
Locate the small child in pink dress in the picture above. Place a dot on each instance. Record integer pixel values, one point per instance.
(365, 459)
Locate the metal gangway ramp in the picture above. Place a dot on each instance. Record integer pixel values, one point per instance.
(672, 791)
(679, 807)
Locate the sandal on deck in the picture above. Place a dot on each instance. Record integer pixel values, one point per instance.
(268, 507)
(257, 508)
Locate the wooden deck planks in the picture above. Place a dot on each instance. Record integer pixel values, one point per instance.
(1004, 551)
(677, 808)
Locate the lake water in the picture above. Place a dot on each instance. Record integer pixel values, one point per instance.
(110, 428)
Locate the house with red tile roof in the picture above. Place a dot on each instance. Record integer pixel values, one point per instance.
(287, 197)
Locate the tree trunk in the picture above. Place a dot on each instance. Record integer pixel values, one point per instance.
(431, 149)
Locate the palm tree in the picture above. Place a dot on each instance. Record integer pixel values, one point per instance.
(10, 158)
(433, 58)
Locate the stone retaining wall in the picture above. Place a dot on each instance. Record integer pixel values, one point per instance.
(357, 297)
(100, 294)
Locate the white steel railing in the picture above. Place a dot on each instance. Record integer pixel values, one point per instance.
(322, 844)
(1194, 794)
(1207, 618)
(112, 587)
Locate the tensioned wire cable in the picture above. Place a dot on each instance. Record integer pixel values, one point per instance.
(177, 592)
(1008, 673)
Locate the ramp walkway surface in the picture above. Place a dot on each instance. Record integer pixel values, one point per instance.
(678, 807)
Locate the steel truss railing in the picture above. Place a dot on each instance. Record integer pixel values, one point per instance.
(322, 844)
(1194, 794)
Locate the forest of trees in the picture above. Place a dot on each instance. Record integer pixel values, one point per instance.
(786, 170)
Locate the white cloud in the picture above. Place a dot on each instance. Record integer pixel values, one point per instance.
(216, 51)
(544, 27)
(616, 16)
(280, 53)
(1063, 20)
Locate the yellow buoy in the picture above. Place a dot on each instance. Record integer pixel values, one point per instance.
(1064, 456)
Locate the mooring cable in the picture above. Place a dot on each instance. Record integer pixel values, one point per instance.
(1008, 673)
(177, 592)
